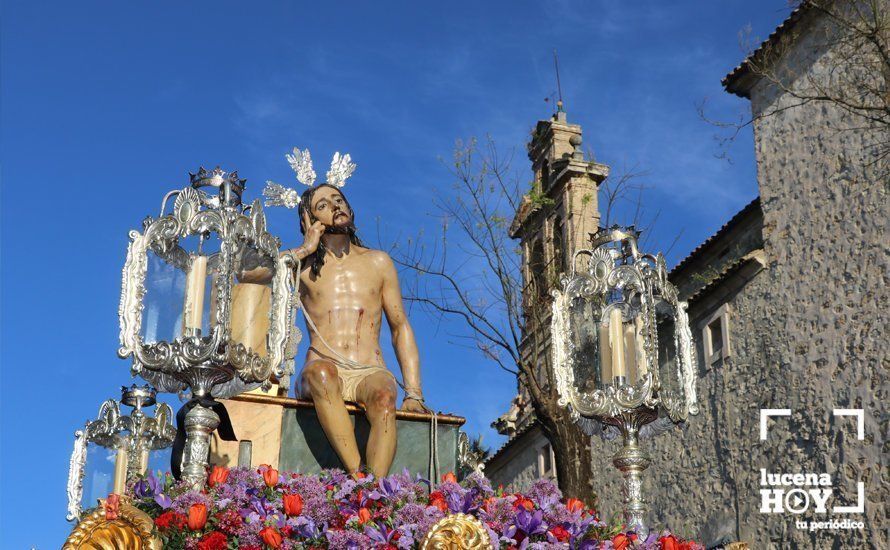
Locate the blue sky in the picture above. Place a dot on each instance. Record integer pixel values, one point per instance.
(107, 105)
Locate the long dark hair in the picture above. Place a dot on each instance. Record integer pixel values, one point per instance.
(306, 209)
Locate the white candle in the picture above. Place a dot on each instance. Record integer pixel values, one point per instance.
(194, 294)
(616, 335)
(605, 354)
(120, 471)
(630, 352)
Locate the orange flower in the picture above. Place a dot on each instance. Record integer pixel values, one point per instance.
(359, 475)
(437, 499)
(293, 504)
(489, 503)
(560, 533)
(271, 537)
(219, 474)
(669, 542)
(525, 502)
(197, 517)
(449, 477)
(621, 541)
(574, 505)
(270, 476)
(364, 516)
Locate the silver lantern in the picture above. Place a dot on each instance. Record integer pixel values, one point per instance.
(622, 351)
(187, 321)
(127, 439)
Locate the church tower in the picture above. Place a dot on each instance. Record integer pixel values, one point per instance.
(560, 213)
(554, 220)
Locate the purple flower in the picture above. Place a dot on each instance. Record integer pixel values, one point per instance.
(319, 510)
(163, 501)
(479, 482)
(380, 534)
(545, 493)
(308, 486)
(304, 527)
(143, 489)
(183, 502)
(388, 488)
(462, 503)
(257, 510)
(347, 540)
(530, 523)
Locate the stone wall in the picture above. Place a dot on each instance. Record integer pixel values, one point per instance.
(808, 333)
(517, 467)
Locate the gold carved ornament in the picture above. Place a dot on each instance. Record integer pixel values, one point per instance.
(132, 530)
(457, 532)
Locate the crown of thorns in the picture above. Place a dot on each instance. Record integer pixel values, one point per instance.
(301, 162)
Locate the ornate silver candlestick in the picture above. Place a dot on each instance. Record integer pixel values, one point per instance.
(181, 299)
(132, 437)
(622, 351)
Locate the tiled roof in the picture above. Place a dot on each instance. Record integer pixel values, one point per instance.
(731, 82)
(750, 207)
(729, 269)
(519, 433)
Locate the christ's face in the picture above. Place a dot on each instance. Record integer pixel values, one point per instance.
(329, 207)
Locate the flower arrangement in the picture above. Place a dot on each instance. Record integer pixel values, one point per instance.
(264, 508)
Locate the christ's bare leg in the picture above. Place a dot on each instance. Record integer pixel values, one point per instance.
(377, 393)
(320, 377)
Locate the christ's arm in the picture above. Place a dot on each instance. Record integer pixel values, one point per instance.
(402, 334)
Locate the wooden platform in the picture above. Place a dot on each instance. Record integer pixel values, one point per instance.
(286, 434)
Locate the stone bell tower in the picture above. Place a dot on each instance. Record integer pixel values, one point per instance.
(557, 217)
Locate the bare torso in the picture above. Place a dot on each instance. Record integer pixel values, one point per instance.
(345, 301)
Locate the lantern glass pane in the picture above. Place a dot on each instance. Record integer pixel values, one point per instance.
(584, 320)
(179, 290)
(251, 298)
(161, 316)
(98, 479)
(668, 361)
(159, 460)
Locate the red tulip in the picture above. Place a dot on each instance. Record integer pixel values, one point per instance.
(669, 542)
(574, 505)
(197, 517)
(437, 499)
(364, 516)
(218, 475)
(271, 537)
(449, 477)
(270, 476)
(293, 504)
(560, 533)
(524, 502)
(621, 541)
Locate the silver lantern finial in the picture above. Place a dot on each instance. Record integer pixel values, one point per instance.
(622, 350)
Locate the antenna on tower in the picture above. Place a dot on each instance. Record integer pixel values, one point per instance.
(559, 103)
